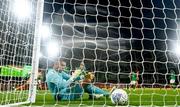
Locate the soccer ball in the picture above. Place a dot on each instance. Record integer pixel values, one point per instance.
(119, 97)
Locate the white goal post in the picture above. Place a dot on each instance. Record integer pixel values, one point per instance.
(36, 51)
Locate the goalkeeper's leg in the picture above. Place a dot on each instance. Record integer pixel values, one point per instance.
(71, 93)
(93, 90)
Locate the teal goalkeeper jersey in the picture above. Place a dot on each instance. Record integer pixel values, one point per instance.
(62, 86)
(60, 79)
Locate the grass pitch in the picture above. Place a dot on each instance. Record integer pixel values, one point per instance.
(145, 96)
(137, 97)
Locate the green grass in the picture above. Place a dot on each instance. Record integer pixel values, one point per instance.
(147, 96)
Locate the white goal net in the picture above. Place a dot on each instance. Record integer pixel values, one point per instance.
(131, 44)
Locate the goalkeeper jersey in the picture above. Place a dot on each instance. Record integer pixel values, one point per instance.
(60, 79)
(59, 83)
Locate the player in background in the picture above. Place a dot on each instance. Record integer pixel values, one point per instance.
(172, 79)
(134, 77)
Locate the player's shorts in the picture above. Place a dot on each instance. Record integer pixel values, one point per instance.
(133, 82)
(172, 81)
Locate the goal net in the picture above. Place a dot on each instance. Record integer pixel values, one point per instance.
(18, 49)
(130, 44)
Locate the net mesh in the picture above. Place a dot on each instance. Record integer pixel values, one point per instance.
(16, 44)
(113, 38)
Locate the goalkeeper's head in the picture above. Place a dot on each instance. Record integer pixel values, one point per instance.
(59, 65)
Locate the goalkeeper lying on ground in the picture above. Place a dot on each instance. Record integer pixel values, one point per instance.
(66, 87)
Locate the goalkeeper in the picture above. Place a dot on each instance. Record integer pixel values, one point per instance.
(66, 87)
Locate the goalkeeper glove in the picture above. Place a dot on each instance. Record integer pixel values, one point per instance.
(76, 74)
(89, 76)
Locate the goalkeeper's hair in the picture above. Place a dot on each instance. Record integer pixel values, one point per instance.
(59, 60)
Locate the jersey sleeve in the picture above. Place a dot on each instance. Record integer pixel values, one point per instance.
(65, 75)
(57, 79)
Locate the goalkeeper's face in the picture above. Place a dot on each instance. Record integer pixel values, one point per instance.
(62, 66)
(59, 65)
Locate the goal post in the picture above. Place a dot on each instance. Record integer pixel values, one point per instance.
(36, 51)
